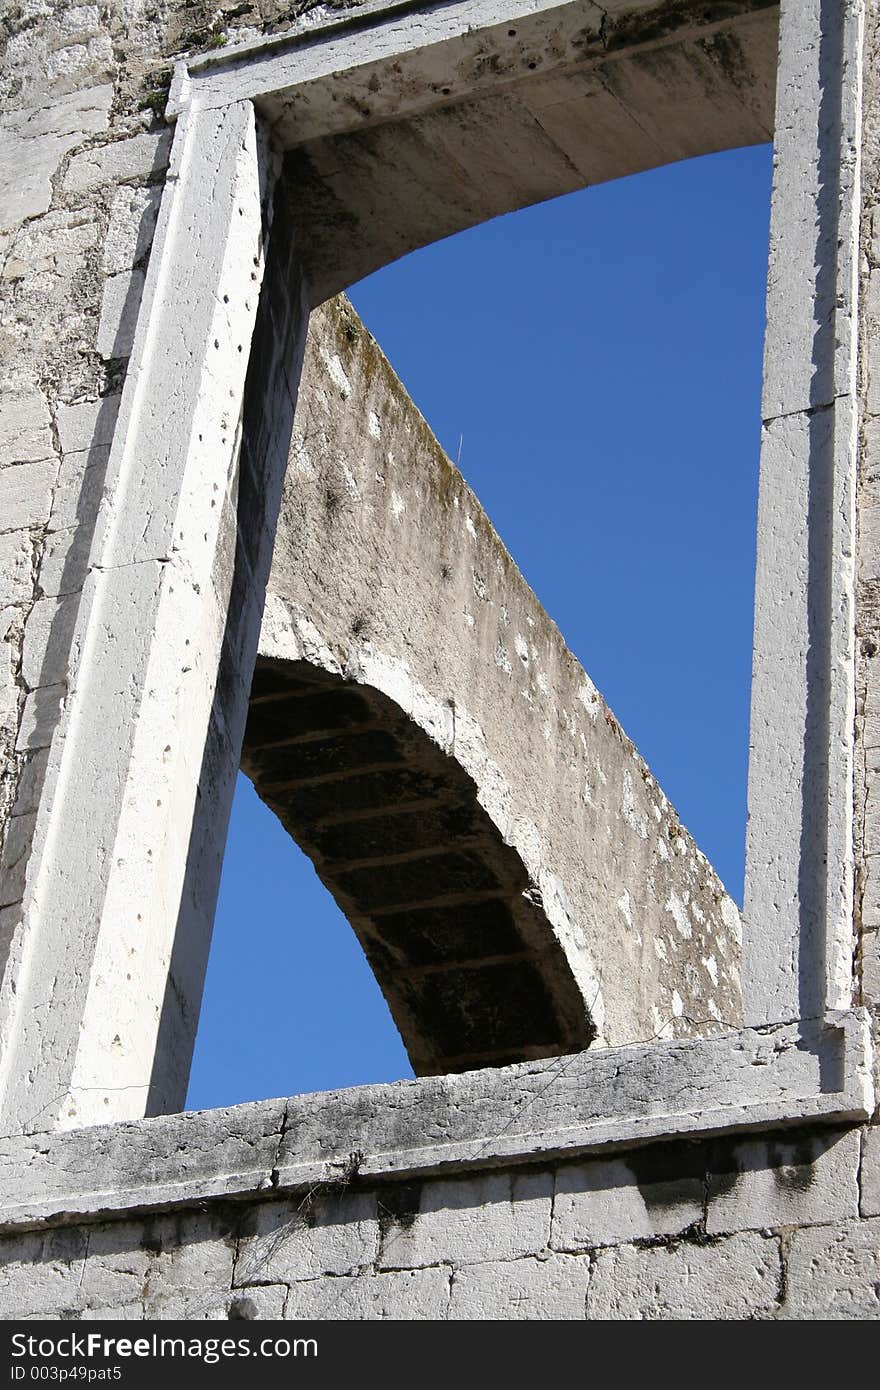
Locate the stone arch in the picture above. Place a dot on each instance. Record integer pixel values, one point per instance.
(513, 871)
(529, 110)
(452, 926)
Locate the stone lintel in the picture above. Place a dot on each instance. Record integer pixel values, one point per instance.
(811, 1073)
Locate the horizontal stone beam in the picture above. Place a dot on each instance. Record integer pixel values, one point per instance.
(561, 1107)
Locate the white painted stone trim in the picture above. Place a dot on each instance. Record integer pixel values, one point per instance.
(798, 914)
(557, 1108)
(123, 776)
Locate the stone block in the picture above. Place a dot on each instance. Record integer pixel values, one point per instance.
(135, 158)
(734, 1278)
(87, 424)
(870, 967)
(833, 1272)
(65, 561)
(869, 543)
(404, 1296)
(53, 243)
(799, 1181)
(30, 782)
(78, 493)
(78, 62)
(14, 858)
(258, 1304)
(615, 1201)
(33, 143)
(42, 709)
(869, 1173)
(116, 1265)
(500, 1216)
(300, 1240)
(871, 893)
(40, 1274)
(25, 435)
(553, 1288)
(119, 311)
(218, 1305)
(16, 578)
(193, 1250)
(872, 344)
(133, 216)
(26, 494)
(47, 637)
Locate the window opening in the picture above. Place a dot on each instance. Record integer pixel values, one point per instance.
(611, 431)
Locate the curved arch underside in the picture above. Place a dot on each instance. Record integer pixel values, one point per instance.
(527, 111)
(444, 910)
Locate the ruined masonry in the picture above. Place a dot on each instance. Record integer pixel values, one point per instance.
(228, 539)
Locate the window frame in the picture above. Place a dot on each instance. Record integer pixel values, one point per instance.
(148, 580)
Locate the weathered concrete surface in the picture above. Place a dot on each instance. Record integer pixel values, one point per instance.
(505, 105)
(504, 1244)
(515, 829)
(798, 906)
(589, 1102)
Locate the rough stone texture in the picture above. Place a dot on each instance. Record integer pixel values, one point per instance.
(797, 1183)
(514, 1220)
(834, 1272)
(736, 1278)
(604, 1203)
(869, 1174)
(308, 1237)
(27, 493)
(407, 1295)
(476, 1246)
(554, 1287)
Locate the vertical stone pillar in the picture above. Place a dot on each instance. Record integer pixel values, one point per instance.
(131, 824)
(797, 928)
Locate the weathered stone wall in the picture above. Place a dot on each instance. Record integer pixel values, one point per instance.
(83, 150)
(866, 925)
(868, 721)
(766, 1227)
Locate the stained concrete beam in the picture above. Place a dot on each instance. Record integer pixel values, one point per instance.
(591, 1102)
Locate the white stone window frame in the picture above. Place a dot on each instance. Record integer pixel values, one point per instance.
(122, 764)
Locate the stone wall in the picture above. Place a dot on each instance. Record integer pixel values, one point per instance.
(769, 1225)
(765, 1227)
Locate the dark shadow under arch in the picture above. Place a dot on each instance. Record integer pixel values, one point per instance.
(449, 921)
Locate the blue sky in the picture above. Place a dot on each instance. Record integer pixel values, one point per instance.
(597, 362)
